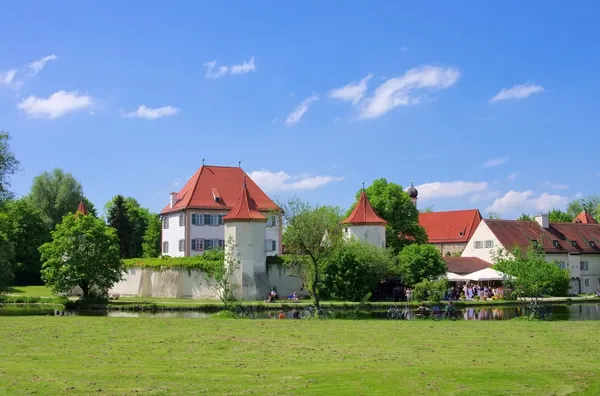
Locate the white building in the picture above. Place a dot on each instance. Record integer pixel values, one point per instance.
(364, 224)
(575, 246)
(193, 221)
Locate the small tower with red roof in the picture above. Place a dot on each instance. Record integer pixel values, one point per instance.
(245, 228)
(584, 218)
(364, 224)
(81, 209)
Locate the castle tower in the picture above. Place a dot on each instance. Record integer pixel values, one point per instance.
(412, 193)
(364, 224)
(82, 209)
(245, 228)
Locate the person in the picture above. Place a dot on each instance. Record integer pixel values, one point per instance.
(269, 298)
(450, 308)
(598, 292)
(273, 295)
(281, 315)
(408, 294)
(422, 310)
(295, 297)
(295, 314)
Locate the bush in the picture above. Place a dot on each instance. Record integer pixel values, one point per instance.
(430, 291)
(418, 262)
(207, 262)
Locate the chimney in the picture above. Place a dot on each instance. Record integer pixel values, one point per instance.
(173, 200)
(542, 220)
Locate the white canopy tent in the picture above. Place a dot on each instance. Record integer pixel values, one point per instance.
(486, 274)
(452, 277)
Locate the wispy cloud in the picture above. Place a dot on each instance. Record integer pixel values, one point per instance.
(214, 71)
(37, 66)
(56, 105)
(281, 181)
(403, 48)
(555, 186)
(407, 89)
(152, 114)
(352, 92)
(495, 162)
(299, 111)
(7, 77)
(452, 189)
(483, 196)
(526, 201)
(517, 92)
(513, 176)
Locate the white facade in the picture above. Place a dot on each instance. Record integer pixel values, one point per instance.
(372, 234)
(192, 232)
(482, 244)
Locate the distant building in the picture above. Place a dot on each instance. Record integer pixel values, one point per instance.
(364, 224)
(450, 231)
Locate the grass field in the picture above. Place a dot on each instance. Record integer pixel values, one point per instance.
(155, 356)
(31, 291)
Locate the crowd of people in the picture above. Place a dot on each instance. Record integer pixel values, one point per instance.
(470, 292)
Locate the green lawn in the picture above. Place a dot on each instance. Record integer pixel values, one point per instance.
(31, 291)
(157, 356)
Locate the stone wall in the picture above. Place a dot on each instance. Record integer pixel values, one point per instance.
(450, 249)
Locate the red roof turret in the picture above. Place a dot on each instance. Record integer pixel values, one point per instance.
(82, 209)
(363, 213)
(245, 208)
(584, 218)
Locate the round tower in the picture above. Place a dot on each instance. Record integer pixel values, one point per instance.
(412, 193)
(364, 224)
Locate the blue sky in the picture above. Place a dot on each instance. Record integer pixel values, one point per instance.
(486, 106)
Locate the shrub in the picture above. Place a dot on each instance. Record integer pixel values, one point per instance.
(431, 291)
(208, 262)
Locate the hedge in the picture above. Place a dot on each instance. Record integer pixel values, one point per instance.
(207, 262)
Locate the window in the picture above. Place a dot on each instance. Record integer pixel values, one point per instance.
(165, 247)
(197, 219)
(271, 245)
(213, 219)
(478, 244)
(208, 244)
(584, 266)
(587, 282)
(534, 243)
(555, 243)
(272, 221)
(220, 218)
(346, 230)
(221, 243)
(574, 243)
(165, 223)
(592, 244)
(181, 220)
(181, 245)
(197, 245)
(489, 244)
(561, 264)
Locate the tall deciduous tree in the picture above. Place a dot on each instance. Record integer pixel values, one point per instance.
(590, 204)
(6, 263)
(558, 216)
(84, 252)
(493, 215)
(25, 229)
(392, 203)
(418, 262)
(312, 233)
(151, 245)
(57, 194)
(8, 166)
(118, 218)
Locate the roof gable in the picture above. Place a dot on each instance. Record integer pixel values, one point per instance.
(455, 226)
(218, 188)
(584, 218)
(363, 213)
(245, 208)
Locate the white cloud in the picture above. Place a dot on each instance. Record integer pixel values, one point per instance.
(517, 92)
(6, 78)
(484, 196)
(352, 92)
(401, 91)
(214, 71)
(451, 189)
(56, 105)
(495, 162)
(515, 201)
(513, 176)
(556, 186)
(37, 66)
(299, 111)
(281, 181)
(152, 114)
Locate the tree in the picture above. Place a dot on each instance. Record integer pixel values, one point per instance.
(57, 194)
(9, 165)
(138, 219)
(590, 204)
(418, 262)
(312, 233)
(427, 209)
(151, 240)
(223, 279)
(118, 218)
(493, 215)
(6, 267)
(24, 227)
(355, 269)
(525, 217)
(558, 216)
(433, 291)
(393, 204)
(83, 252)
(530, 275)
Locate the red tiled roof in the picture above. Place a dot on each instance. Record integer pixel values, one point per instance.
(364, 213)
(584, 218)
(465, 265)
(455, 226)
(513, 233)
(82, 209)
(226, 182)
(244, 209)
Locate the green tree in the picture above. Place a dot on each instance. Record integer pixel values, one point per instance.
(24, 227)
(8, 166)
(590, 204)
(312, 233)
(83, 252)
(393, 204)
(118, 218)
(57, 194)
(6, 263)
(151, 240)
(433, 291)
(525, 217)
(558, 216)
(355, 269)
(427, 209)
(418, 262)
(493, 215)
(530, 275)
(138, 218)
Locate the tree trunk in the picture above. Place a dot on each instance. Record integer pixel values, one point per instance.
(315, 285)
(85, 288)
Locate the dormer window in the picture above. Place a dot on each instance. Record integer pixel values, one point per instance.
(592, 244)
(555, 243)
(574, 243)
(216, 195)
(461, 234)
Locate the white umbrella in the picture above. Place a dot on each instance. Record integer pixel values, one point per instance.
(452, 277)
(486, 274)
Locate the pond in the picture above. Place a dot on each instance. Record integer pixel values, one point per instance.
(559, 312)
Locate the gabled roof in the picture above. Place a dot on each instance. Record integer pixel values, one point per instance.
(455, 226)
(511, 233)
(245, 208)
(465, 265)
(363, 213)
(218, 188)
(82, 209)
(584, 218)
